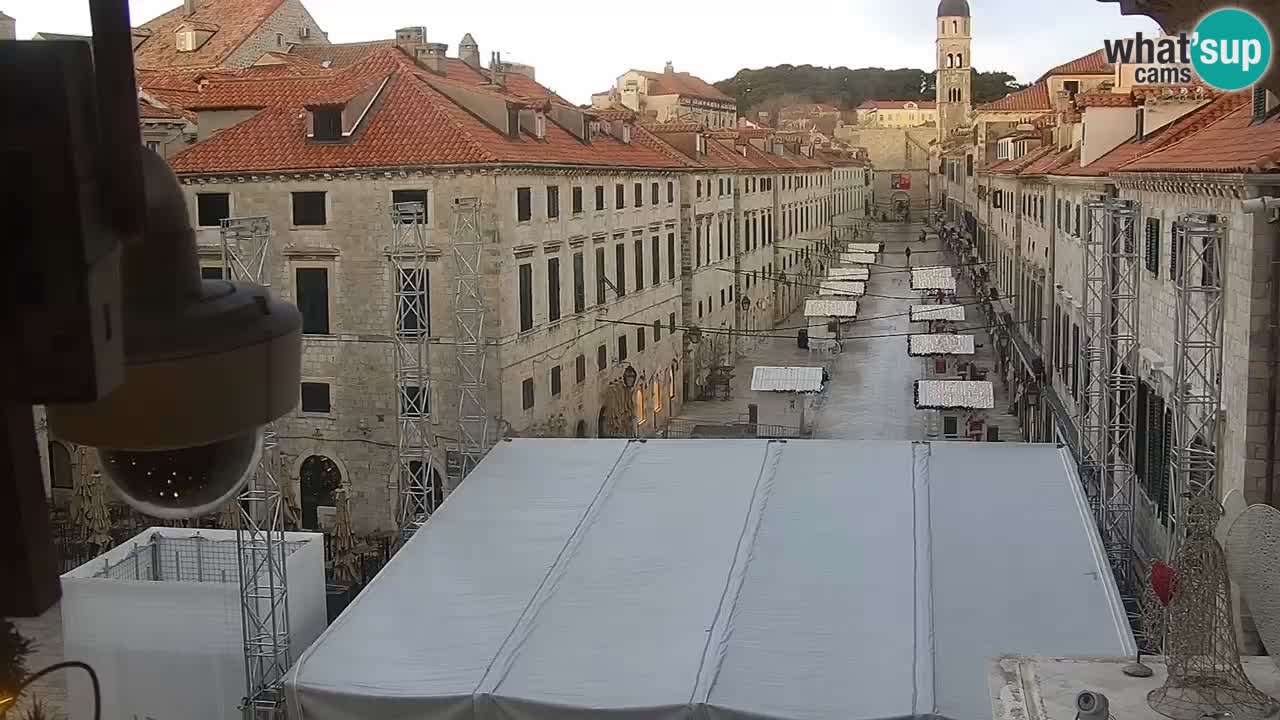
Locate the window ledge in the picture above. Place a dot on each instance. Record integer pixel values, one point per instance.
(310, 227)
(293, 251)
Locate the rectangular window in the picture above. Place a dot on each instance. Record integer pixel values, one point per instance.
(653, 194)
(526, 297)
(211, 272)
(309, 209)
(212, 209)
(622, 348)
(699, 189)
(312, 286)
(1175, 249)
(721, 297)
(411, 196)
(524, 204)
(600, 276)
(602, 357)
(577, 200)
(657, 330)
(1075, 360)
(639, 245)
(1152, 258)
(657, 259)
(697, 246)
(555, 381)
(553, 202)
(671, 191)
(619, 196)
(700, 309)
(671, 322)
(315, 397)
(1208, 262)
(579, 284)
(640, 335)
(637, 194)
(671, 256)
(1077, 232)
(600, 197)
(580, 369)
(526, 394)
(415, 401)
(553, 289)
(413, 317)
(620, 272)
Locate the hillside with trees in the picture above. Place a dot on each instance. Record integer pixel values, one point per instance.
(770, 88)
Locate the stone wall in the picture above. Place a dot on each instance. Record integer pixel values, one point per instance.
(896, 151)
(287, 21)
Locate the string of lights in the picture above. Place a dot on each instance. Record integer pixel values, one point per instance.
(760, 334)
(796, 283)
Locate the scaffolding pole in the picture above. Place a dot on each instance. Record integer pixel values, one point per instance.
(264, 607)
(416, 473)
(1120, 480)
(1198, 244)
(470, 346)
(1092, 408)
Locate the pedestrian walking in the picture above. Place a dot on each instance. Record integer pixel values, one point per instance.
(908, 254)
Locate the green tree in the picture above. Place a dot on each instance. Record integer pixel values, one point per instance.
(771, 87)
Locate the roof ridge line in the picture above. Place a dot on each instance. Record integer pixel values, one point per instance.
(1212, 116)
(428, 93)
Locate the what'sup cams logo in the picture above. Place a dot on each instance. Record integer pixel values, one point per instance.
(1230, 49)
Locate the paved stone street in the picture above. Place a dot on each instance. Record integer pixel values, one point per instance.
(870, 396)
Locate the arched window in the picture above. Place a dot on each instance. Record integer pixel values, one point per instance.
(581, 429)
(955, 26)
(951, 60)
(60, 466)
(640, 410)
(319, 480)
(602, 424)
(959, 59)
(435, 494)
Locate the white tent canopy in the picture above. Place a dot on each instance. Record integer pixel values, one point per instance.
(848, 273)
(842, 287)
(923, 313)
(858, 258)
(723, 579)
(933, 278)
(939, 344)
(826, 307)
(786, 379)
(863, 247)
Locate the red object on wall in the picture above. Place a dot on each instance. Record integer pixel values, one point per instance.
(940, 364)
(1164, 581)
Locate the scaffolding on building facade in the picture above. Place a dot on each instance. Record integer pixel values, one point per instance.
(260, 546)
(1108, 413)
(416, 472)
(470, 346)
(1198, 241)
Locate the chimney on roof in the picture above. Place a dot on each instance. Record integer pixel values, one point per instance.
(189, 7)
(469, 51)
(669, 69)
(411, 37)
(432, 57)
(8, 27)
(497, 74)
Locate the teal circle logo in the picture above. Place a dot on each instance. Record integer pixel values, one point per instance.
(1231, 49)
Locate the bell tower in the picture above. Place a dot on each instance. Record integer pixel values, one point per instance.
(954, 82)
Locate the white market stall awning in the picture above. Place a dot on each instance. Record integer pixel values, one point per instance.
(860, 274)
(863, 247)
(858, 258)
(954, 395)
(842, 287)
(924, 313)
(933, 278)
(727, 579)
(786, 379)
(939, 344)
(826, 307)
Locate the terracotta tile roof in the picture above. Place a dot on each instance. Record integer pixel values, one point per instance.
(614, 114)
(148, 111)
(340, 55)
(1105, 99)
(1220, 137)
(1190, 92)
(1049, 163)
(234, 21)
(410, 124)
(896, 104)
(1031, 99)
(1095, 63)
(679, 127)
(1174, 132)
(1043, 121)
(682, 83)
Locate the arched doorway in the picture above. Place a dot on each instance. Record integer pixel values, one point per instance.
(60, 467)
(436, 494)
(602, 424)
(581, 429)
(319, 479)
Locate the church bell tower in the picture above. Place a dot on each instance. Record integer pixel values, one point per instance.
(955, 66)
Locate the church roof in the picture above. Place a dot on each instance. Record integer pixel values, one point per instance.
(953, 8)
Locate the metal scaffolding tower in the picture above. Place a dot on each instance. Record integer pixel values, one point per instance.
(469, 343)
(1200, 321)
(264, 607)
(1109, 412)
(415, 442)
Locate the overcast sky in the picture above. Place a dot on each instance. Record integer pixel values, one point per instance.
(580, 47)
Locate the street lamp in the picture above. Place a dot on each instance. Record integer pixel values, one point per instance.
(1033, 394)
(629, 377)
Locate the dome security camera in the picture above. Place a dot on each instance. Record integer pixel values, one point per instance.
(1092, 706)
(208, 363)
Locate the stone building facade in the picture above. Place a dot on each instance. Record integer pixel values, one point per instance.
(669, 96)
(598, 235)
